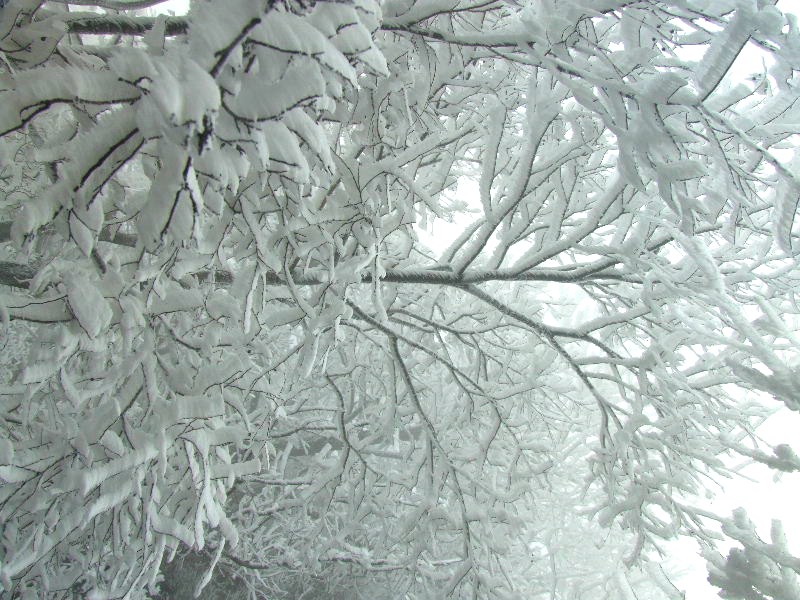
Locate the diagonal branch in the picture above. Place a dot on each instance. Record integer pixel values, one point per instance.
(549, 335)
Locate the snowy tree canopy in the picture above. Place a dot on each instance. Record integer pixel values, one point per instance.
(225, 341)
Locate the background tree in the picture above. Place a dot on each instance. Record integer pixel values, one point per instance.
(237, 345)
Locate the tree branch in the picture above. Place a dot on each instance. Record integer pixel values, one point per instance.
(114, 4)
(124, 25)
(18, 275)
(549, 335)
(15, 275)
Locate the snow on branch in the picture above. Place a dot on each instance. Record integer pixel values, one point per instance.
(124, 25)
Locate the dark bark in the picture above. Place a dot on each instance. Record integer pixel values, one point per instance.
(181, 576)
(15, 275)
(118, 24)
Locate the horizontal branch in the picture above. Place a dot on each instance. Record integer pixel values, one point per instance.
(107, 235)
(370, 564)
(19, 275)
(120, 24)
(114, 4)
(110, 24)
(125, 25)
(503, 39)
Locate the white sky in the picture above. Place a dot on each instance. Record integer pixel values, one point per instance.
(178, 7)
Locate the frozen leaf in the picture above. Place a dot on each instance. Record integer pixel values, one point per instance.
(88, 305)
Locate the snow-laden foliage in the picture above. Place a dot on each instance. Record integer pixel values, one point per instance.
(238, 349)
(757, 571)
